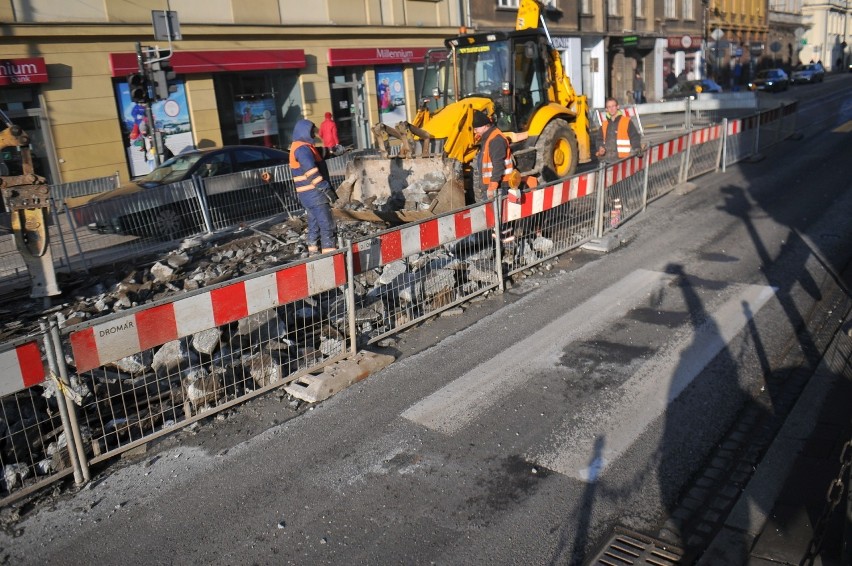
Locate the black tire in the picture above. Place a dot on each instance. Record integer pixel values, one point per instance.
(556, 151)
(167, 224)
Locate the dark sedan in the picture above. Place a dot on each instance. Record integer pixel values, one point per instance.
(770, 80)
(161, 204)
(813, 73)
(691, 89)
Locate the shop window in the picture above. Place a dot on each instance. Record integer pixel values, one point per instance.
(258, 108)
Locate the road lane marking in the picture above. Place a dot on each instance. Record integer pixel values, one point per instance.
(644, 397)
(843, 129)
(452, 407)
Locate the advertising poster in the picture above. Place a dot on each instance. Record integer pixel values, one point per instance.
(256, 118)
(171, 118)
(390, 87)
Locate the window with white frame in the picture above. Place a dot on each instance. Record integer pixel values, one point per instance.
(612, 7)
(640, 8)
(507, 3)
(688, 13)
(669, 9)
(585, 6)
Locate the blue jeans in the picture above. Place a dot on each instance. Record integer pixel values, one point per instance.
(321, 226)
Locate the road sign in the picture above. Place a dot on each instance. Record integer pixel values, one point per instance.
(717, 34)
(738, 52)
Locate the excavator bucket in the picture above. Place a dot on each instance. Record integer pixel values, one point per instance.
(399, 190)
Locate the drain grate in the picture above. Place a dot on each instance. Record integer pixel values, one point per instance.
(627, 548)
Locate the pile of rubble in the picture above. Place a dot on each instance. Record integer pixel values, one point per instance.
(154, 389)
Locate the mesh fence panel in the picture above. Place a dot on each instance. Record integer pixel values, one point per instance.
(739, 142)
(150, 392)
(81, 188)
(245, 196)
(664, 171)
(704, 151)
(406, 275)
(624, 186)
(33, 444)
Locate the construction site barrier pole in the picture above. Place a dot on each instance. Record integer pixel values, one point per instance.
(72, 407)
(76, 238)
(496, 205)
(724, 144)
(350, 297)
(50, 351)
(201, 195)
(646, 160)
(755, 149)
(600, 182)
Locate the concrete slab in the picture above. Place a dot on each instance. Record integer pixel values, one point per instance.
(338, 376)
(603, 245)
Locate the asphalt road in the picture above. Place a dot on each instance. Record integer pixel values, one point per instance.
(526, 430)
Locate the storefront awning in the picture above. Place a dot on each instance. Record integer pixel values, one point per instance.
(27, 71)
(189, 62)
(376, 56)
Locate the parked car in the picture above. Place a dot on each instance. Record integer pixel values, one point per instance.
(158, 204)
(691, 89)
(813, 73)
(774, 80)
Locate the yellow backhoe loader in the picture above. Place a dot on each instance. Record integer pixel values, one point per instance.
(517, 78)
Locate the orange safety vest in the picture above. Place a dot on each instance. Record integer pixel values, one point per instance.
(622, 139)
(488, 165)
(304, 180)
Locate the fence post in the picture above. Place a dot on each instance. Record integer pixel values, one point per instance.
(50, 353)
(76, 239)
(72, 409)
(61, 236)
(496, 205)
(201, 195)
(350, 297)
(756, 147)
(647, 159)
(724, 144)
(684, 169)
(780, 110)
(117, 180)
(599, 200)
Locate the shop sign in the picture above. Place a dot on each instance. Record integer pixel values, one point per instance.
(22, 71)
(684, 42)
(188, 62)
(376, 56)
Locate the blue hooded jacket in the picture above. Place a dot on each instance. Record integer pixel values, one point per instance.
(302, 132)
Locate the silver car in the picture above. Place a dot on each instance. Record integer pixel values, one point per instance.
(813, 73)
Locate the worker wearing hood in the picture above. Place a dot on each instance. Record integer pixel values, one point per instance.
(313, 188)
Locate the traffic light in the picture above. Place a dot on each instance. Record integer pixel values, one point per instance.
(163, 74)
(138, 87)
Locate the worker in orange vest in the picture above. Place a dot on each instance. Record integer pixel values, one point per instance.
(618, 137)
(494, 161)
(310, 175)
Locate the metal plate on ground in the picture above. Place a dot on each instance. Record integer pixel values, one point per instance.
(628, 548)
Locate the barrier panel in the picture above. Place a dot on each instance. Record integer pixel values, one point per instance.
(666, 162)
(705, 146)
(250, 195)
(142, 373)
(549, 221)
(405, 275)
(33, 442)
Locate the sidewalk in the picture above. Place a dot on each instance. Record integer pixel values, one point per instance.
(774, 520)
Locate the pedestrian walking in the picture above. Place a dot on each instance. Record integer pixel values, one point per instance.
(313, 188)
(618, 137)
(638, 89)
(328, 135)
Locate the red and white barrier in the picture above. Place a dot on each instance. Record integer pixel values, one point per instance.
(429, 234)
(705, 135)
(20, 368)
(117, 338)
(668, 149)
(545, 198)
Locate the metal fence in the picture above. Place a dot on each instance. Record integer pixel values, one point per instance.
(118, 381)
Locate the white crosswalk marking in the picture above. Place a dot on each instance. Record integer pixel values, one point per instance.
(644, 396)
(458, 403)
(648, 392)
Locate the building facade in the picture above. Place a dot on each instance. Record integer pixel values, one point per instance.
(738, 32)
(243, 76)
(828, 33)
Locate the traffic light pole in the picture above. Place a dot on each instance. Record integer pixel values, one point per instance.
(149, 114)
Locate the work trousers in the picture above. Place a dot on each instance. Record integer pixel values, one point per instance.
(321, 226)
